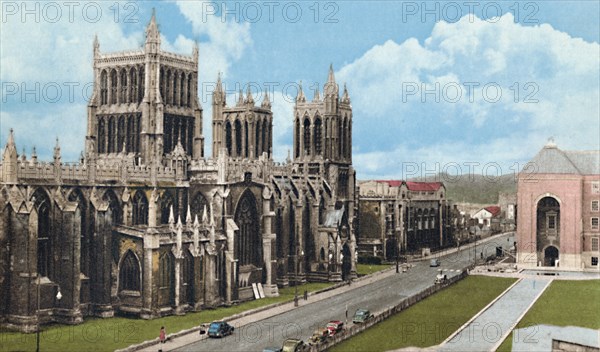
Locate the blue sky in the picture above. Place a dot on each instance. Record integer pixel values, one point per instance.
(432, 84)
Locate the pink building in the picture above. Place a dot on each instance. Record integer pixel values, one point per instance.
(558, 197)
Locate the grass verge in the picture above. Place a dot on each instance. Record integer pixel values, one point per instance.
(366, 269)
(432, 320)
(564, 303)
(97, 334)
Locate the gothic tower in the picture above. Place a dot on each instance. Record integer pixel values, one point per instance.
(242, 131)
(144, 103)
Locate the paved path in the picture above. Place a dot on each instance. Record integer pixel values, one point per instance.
(490, 326)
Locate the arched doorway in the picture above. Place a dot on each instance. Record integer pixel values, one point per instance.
(550, 256)
(548, 230)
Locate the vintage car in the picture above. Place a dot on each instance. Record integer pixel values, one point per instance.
(219, 329)
(334, 327)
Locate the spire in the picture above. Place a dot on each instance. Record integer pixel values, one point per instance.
(57, 150)
(152, 33)
(171, 216)
(33, 155)
(240, 98)
(96, 45)
(188, 216)
(24, 155)
(219, 97)
(195, 51)
(331, 78)
(205, 216)
(300, 98)
(266, 103)
(249, 97)
(10, 143)
(317, 96)
(345, 96)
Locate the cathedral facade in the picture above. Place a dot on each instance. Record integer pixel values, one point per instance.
(147, 225)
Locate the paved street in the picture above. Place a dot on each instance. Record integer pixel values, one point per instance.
(256, 334)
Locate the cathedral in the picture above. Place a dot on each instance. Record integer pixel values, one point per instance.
(147, 225)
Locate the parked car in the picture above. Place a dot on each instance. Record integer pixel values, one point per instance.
(361, 316)
(294, 345)
(219, 329)
(318, 336)
(334, 327)
(434, 262)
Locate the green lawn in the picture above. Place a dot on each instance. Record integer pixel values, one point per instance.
(564, 303)
(366, 269)
(432, 320)
(109, 334)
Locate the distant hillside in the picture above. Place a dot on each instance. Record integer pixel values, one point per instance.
(475, 188)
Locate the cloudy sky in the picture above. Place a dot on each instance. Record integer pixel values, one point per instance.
(435, 86)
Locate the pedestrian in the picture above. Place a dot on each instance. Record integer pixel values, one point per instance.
(162, 336)
(306, 295)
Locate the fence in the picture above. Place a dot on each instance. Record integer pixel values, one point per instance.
(379, 317)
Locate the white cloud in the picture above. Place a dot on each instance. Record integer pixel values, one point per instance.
(537, 63)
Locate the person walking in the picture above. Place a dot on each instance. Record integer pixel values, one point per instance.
(162, 336)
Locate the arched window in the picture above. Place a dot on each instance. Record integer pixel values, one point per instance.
(101, 135)
(140, 209)
(168, 89)
(103, 88)
(163, 86)
(121, 134)
(113, 87)
(141, 84)
(246, 149)
(129, 273)
(228, 139)
(165, 268)
(110, 148)
(124, 87)
(248, 244)
(42, 204)
(188, 276)
(264, 137)
(133, 86)
(130, 134)
(318, 137)
(166, 203)
(238, 138)
(175, 88)
(114, 207)
(189, 91)
(307, 136)
(198, 204)
(297, 138)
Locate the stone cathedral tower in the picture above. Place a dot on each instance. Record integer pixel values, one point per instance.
(144, 103)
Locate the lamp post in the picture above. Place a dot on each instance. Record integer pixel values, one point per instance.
(58, 297)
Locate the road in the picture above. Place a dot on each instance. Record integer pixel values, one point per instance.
(378, 296)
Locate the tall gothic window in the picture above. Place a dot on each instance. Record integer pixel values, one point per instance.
(129, 273)
(198, 204)
(140, 209)
(103, 88)
(175, 88)
(318, 137)
(110, 148)
(228, 139)
(42, 205)
(113, 87)
(189, 91)
(166, 204)
(101, 135)
(168, 89)
(165, 270)
(124, 87)
(188, 276)
(113, 205)
(307, 136)
(297, 138)
(133, 86)
(264, 137)
(142, 84)
(121, 133)
(248, 244)
(238, 138)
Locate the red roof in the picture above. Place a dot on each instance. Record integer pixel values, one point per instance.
(423, 186)
(391, 183)
(493, 209)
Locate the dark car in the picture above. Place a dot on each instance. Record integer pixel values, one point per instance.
(294, 345)
(361, 316)
(219, 329)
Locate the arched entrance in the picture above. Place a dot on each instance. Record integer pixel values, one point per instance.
(550, 256)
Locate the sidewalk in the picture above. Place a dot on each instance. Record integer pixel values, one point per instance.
(491, 326)
(261, 313)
